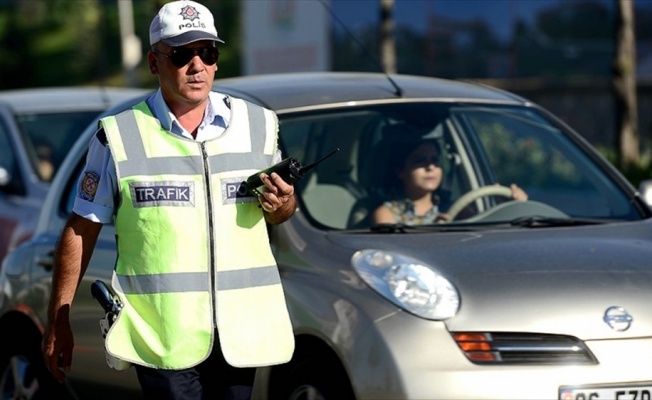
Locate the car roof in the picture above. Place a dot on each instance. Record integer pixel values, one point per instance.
(283, 92)
(61, 99)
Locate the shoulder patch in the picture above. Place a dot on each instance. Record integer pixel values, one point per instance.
(89, 185)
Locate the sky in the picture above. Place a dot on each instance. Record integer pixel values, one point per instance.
(500, 14)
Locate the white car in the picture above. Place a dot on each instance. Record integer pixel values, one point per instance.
(547, 298)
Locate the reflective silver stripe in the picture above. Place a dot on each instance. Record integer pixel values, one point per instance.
(256, 124)
(253, 160)
(198, 281)
(240, 279)
(137, 158)
(162, 165)
(164, 283)
(232, 161)
(130, 135)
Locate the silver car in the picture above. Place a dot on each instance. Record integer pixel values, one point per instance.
(547, 298)
(37, 128)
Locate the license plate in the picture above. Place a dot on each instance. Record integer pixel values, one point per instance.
(630, 392)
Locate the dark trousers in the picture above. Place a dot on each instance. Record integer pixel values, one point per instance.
(212, 379)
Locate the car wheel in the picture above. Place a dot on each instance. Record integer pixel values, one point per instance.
(314, 379)
(23, 375)
(18, 380)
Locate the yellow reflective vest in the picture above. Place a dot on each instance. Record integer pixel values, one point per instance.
(193, 250)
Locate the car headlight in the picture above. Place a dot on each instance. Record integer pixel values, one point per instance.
(408, 283)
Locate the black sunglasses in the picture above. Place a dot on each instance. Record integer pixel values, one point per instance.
(425, 161)
(182, 55)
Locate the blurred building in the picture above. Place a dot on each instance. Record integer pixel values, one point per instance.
(555, 52)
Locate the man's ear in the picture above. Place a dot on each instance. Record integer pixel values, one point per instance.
(152, 61)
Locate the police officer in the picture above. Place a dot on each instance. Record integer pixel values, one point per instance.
(202, 298)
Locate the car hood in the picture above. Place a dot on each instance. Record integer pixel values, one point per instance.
(546, 280)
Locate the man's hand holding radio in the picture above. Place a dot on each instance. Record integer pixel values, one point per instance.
(276, 198)
(274, 187)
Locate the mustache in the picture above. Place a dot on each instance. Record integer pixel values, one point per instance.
(195, 79)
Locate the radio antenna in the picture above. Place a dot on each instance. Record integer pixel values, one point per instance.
(307, 168)
(399, 91)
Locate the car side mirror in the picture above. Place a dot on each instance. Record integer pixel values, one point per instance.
(645, 189)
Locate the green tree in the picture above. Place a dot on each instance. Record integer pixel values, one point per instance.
(73, 42)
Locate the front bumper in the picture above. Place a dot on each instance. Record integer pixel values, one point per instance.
(403, 357)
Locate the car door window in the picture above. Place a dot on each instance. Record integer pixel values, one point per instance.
(329, 191)
(7, 158)
(52, 135)
(10, 178)
(517, 146)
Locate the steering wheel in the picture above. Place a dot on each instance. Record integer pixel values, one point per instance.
(470, 197)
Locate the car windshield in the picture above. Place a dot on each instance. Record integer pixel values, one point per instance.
(481, 150)
(49, 137)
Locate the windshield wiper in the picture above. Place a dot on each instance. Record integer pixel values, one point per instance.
(534, 221)
(539, 221)
(403, 228)
(391, 228)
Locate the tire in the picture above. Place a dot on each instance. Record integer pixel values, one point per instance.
(313, 379)
(23, 375)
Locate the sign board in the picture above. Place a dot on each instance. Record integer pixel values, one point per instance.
(285, 36)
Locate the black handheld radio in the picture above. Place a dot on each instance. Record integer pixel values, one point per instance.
(289, 169)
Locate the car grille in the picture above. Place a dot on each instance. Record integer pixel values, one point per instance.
(523, 348)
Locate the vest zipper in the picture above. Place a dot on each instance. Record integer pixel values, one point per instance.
(211, 244)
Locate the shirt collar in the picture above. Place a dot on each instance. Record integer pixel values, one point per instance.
(217, 113)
